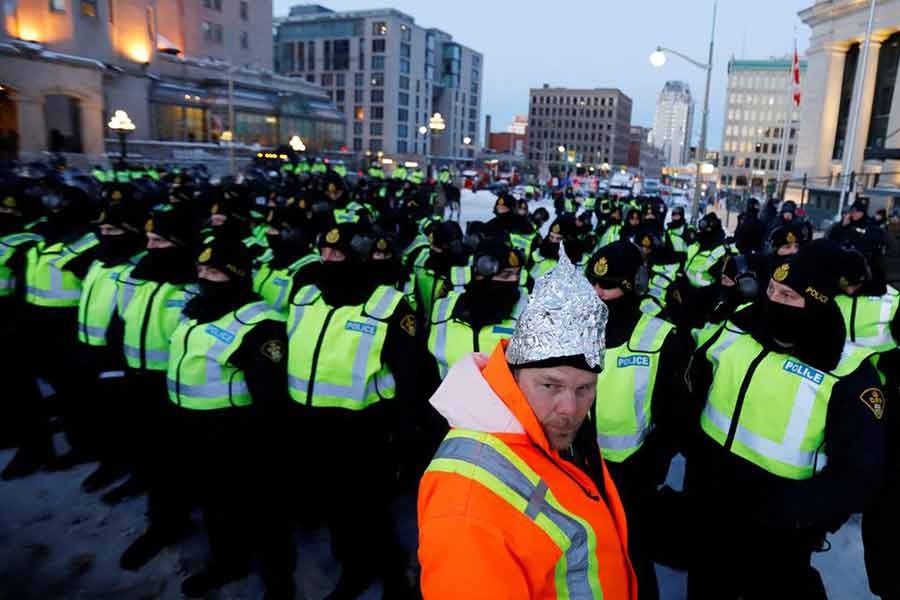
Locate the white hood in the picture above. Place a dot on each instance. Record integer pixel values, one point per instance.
(467, 401)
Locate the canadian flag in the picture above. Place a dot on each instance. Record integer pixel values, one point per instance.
(795, 76)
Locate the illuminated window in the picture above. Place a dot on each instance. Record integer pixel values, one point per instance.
(379, 28)
(89, 8)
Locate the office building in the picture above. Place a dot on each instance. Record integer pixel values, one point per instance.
(389, 76)
(759, 104)
(591, 126)
(643, 158)
(673, 122)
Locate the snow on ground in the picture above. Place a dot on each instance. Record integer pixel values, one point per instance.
(58, 542)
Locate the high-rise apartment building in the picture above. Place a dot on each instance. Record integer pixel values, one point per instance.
(673, 122)
(759, 103)
(592, 126)
(388, 75)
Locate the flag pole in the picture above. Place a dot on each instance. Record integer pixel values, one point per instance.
(788, 120)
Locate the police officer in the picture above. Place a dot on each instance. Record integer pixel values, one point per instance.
(350, 380)
(750, 233)
(54, 272)
(434, 270)
(291, 253)
(638, 386)
(484, 311)
(227, 356)
(610, 229)
(151, 299)
(775, 392)
(522, 234)
(678, 233)
(100, 361)
(546, 255)
(705, 252)
(663, 266)
(857, 230)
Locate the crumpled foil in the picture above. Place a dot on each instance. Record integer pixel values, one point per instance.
(564, 317)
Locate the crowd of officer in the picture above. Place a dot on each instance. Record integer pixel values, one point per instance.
(263, 348)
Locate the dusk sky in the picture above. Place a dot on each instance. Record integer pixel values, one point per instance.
(589, 44)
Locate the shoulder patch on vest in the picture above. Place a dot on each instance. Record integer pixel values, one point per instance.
(273, 350)
(408, 324)
(873, 398)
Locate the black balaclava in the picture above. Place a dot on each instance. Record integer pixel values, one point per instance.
(173, 264)
(291, 242)
(565, 227)
(448, 238)
(485, 300)
(815, 333)
(346, 282)
(616, 265)
(675, 223)
(218, 298)
(709, 232)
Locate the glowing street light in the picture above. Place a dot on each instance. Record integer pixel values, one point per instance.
(297, 144)
(423, 130)
(122, 125)
(658, 57)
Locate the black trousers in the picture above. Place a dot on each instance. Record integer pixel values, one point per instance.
(732, 557)
(637, 492)
(340, 462)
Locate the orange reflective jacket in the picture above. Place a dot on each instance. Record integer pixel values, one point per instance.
(501, 515)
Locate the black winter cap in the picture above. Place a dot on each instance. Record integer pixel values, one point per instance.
(615, 265)
(813, 272)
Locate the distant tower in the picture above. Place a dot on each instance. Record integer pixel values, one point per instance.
(673, 122)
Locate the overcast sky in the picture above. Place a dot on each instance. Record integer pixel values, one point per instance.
(584, 43)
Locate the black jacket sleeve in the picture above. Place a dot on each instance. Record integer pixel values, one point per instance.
(262, 357)
(669, 407)
(80, 265)
(856, 444)
(403, 351)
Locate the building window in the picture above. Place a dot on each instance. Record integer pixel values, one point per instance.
(377, 80)
(327, 79)
(885, 78)
(212, 32)
(404, 66)
(406, 33)
(404, 83)
(357, 144)
(403, 115)
(402, 146)
(245, 40)
(358, 96)
(380, 28)
(213, 4)
(311, 78)
(376, 128)
(375, 145)
(403, 99)
(405, 50)
(377, 112)
(379, 46)
(359, 113)
(326, 55)
(377, 63)
(245, 10)
(58, 5)
(341, 57)
(840, 136)
(357, 128)
(89, 8)
(376, 96)
(62, 114)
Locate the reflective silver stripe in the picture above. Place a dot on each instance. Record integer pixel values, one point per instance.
(111, 374)
(781, 452)
(128, 293)
(54, 294)
(301, 308)
(153, 355)
(444, 308)
(282, 294)
(94, 331)
(883, 335)
(722, 345)
(459, 276)
(19, 238)
(217, 389)
(535, 496)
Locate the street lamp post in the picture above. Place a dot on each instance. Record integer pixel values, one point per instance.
(122, 125)
(658, 59)
(563, 159)
(436, 126)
